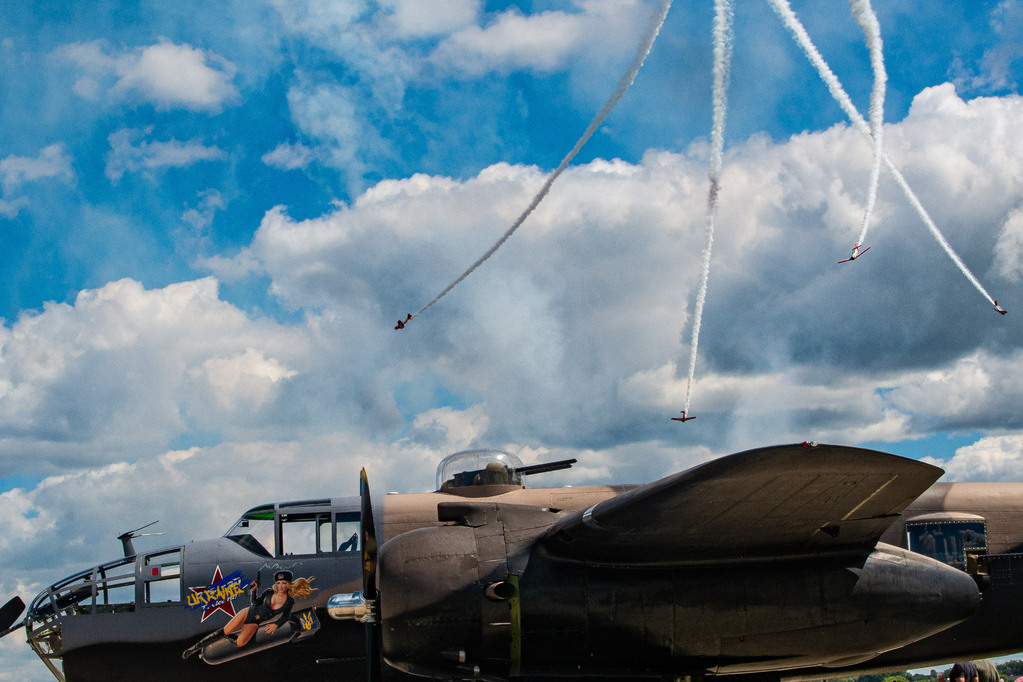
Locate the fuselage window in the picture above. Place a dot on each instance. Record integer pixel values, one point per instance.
(161, 574)
(348, 532)
(947, 541)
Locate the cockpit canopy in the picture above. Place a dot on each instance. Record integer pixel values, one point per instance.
(478, 467)
(310, 527)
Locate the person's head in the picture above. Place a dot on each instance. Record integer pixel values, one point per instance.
(282, 580)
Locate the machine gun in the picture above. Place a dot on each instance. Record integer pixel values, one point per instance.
(504, 476)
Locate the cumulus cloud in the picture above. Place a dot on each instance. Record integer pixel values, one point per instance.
(166, 75)
(130, 152)
(993, 458)
(66, 371)
(574, 333)
(248, 379)
(561, 298)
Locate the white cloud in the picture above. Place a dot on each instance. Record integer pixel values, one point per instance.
(421, 18)
(130, 153)
(321, 19)
(454, 430)
(166, 75)
(563, 335)
(593, 293)
(363, 38)
(9, 209)
(400, 49)
(125, 370)
(201, 216)
(993, 458)
(178, 75)
(982, 388)
(288, 156)
(328, 114)
(542, 41)
(1009, 249)
(247, 378)
(52, 162)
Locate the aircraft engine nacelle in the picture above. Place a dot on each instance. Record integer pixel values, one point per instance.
(482, 599)
(733, 618)
(446, 593)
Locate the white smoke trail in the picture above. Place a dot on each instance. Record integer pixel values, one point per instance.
(657, 20)
(782, 8)
(866, 18)
(722, 69)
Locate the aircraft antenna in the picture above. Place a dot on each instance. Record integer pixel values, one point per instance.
(128, 536)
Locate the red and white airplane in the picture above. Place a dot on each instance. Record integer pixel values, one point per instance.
(856, 253)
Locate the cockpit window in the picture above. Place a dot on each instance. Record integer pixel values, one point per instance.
(255, 530)
(947, 541)
(291, 529)
(302, 533)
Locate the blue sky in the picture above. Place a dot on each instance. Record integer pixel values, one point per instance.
(212, 215)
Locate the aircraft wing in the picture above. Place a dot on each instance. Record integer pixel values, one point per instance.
(768, 503)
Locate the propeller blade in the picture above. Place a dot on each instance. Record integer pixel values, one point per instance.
(10, 612)
(369, 579)
(369, 541)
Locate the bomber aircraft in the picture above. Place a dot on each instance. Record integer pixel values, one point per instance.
(790, 562)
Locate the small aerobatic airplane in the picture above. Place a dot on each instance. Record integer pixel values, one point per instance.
(401, 323)
(683, 418)
(792, 562)
(856, 253)
(1000, 309)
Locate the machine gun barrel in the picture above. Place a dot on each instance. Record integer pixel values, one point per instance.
(544, 468)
